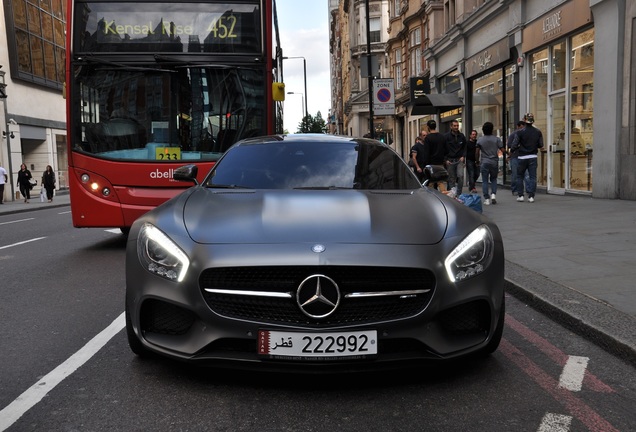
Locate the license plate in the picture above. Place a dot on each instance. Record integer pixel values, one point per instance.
(317, 346)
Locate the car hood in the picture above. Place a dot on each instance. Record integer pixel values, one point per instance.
(321, 216)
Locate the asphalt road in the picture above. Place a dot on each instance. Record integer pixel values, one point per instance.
(65, 364)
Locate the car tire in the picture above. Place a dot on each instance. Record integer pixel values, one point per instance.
(133, 341)
(496, 337)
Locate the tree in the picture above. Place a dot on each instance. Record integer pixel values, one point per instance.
(310, 124)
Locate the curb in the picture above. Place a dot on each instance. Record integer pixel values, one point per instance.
(592, 319)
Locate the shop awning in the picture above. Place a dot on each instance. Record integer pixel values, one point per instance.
(434, 103)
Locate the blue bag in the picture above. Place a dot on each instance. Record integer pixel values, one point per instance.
(471, 200)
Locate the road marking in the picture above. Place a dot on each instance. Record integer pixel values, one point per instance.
(15, 221)
(583, 412)
(22, 242)
(555, 423)
(114, 231)
(559, 357)
(27, 400)
(64, 212)
(573, 373)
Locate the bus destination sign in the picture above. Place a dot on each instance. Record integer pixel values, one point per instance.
(161, 27)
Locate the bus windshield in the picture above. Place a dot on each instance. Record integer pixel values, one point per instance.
(156, 113)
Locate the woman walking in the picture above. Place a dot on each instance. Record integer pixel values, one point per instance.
(48, 182)
(24, 183)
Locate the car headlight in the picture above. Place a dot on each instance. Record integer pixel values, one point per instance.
(471, 256)
(160, 255)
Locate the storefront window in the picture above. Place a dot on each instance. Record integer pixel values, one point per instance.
(581, 111)
(559, 66)
(488, 106)
(539, 104)
(566, 159)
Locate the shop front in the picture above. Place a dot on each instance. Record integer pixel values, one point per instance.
(559, 66)
(492, 81)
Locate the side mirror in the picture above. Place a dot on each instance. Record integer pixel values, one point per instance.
(434, 174)
(187, 173)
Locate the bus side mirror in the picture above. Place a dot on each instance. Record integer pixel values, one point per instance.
(187, 173)
(278, 91)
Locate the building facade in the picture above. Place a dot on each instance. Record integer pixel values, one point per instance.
(33, 113)
(572, 63)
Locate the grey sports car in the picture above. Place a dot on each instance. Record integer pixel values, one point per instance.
(313, 252)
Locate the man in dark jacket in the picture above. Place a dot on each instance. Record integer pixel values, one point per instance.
(527, 142)
(455, 157)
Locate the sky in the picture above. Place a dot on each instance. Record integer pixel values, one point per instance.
(304, 32)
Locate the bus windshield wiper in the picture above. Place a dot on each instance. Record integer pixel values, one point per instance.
(180, 62)
(91, 59)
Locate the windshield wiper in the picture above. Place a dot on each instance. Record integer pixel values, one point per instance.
(181, 63)
(228, 186)
(322, 188)
(124, 66)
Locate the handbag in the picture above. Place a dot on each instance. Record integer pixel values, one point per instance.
(42, 194)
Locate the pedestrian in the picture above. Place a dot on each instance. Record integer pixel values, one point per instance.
(527, 142)
(417, 156)
(472, 161)
(513, 158)
(434, 147)
(24, 182)
(48, 182)
(455, 157)
(489, 147)
(3, 180)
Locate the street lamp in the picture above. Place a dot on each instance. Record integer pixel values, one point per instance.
(305, 76)
(302, 100)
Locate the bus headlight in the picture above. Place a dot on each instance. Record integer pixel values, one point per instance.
(160, 255)
(472, 256)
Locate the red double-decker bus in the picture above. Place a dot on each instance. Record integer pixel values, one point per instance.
(154, 85)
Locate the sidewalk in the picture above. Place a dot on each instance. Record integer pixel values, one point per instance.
(574, 258)
(60, 199)
(571, 257)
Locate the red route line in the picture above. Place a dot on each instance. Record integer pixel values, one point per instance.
(579, 409)
(558, 356)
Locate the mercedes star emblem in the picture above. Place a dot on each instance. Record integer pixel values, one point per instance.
(318, 296)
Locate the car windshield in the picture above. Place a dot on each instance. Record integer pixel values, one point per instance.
(292, 164)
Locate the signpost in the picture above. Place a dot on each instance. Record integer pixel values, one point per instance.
(383, 97)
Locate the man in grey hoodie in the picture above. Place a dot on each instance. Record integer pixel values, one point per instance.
(489, 147)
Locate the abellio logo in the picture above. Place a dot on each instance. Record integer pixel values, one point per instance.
(156, 174)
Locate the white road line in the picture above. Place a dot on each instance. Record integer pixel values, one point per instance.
(27, 400)
(555, 423)
(114, 231)
(573, 373)
(64, 212)
(15, 221)
(22, 242)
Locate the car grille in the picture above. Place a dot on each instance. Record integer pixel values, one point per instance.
(271, 310)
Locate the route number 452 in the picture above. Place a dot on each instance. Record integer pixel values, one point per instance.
(224, 27)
